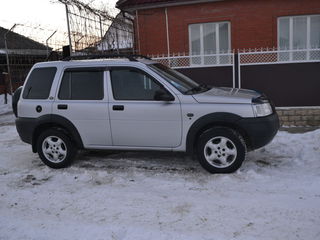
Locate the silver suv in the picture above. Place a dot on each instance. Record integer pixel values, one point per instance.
(138, 104)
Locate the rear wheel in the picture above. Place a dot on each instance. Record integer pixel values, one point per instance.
(55, 148)
(221, 150)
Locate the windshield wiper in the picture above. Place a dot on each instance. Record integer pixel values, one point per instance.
(199, 88)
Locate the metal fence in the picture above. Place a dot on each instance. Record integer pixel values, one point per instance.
(20, 62)
(94, 30)
(180, 61)
(245, 57)
(275, 56)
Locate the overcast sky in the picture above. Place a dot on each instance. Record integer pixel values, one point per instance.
(48, 14)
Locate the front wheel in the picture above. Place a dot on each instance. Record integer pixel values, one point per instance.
(55, 148)
(221, 150)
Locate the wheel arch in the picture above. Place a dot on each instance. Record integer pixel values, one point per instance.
(211, 120)
(58, 122)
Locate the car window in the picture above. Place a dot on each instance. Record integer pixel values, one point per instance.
(133, 84)
(81, 85)
(39, 83)
(175, 78)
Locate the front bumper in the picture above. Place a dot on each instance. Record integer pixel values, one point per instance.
(260, 130)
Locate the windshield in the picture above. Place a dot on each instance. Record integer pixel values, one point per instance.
(176, 79)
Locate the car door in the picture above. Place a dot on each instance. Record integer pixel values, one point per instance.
(36, 96)
(136, 118)
(82, 100)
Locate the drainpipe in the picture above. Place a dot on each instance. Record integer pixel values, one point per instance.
(138, 33)
(167, 29)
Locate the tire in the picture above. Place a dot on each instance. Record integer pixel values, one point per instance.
(221, 150)
(55, 148)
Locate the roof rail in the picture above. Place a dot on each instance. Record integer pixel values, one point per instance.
(132, 57)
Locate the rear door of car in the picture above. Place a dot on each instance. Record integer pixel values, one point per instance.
(36, 98)
(82, 99)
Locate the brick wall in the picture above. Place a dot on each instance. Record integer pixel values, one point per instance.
(253, 22)
(299, 116)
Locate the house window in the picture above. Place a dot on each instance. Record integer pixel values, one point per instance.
(299, 32)
(208, 39)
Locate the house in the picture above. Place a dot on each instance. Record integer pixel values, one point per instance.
(171, 26)
(119, 36)
(272, 46)
(23, 53)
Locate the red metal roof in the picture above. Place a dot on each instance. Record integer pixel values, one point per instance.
(130, 3)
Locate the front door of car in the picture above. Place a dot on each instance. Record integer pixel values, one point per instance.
(82, 100)
(141, 111)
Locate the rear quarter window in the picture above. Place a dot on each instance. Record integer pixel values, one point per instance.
(39, 83)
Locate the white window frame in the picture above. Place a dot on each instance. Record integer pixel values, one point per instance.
(217, 40)
(291, 33)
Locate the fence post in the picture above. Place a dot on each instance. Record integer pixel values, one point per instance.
(3, 80)
(69, 33)
(6, 81)
(233, 71)
(101, 34)
(47, 42)
(239, 69)
(7, 55)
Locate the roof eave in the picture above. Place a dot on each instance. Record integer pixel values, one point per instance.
(159, 5)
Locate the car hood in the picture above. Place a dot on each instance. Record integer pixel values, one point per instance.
(226, 95)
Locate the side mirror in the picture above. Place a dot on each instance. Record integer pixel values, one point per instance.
(163, 95)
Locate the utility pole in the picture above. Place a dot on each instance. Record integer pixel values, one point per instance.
(7, 56)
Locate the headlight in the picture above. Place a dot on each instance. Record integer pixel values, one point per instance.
(261, 110)
(261, 106)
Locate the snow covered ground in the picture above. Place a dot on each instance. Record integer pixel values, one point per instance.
(5, 108)
(139, 195)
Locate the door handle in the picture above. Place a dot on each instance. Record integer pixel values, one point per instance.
(117, 107)
(62, 106)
